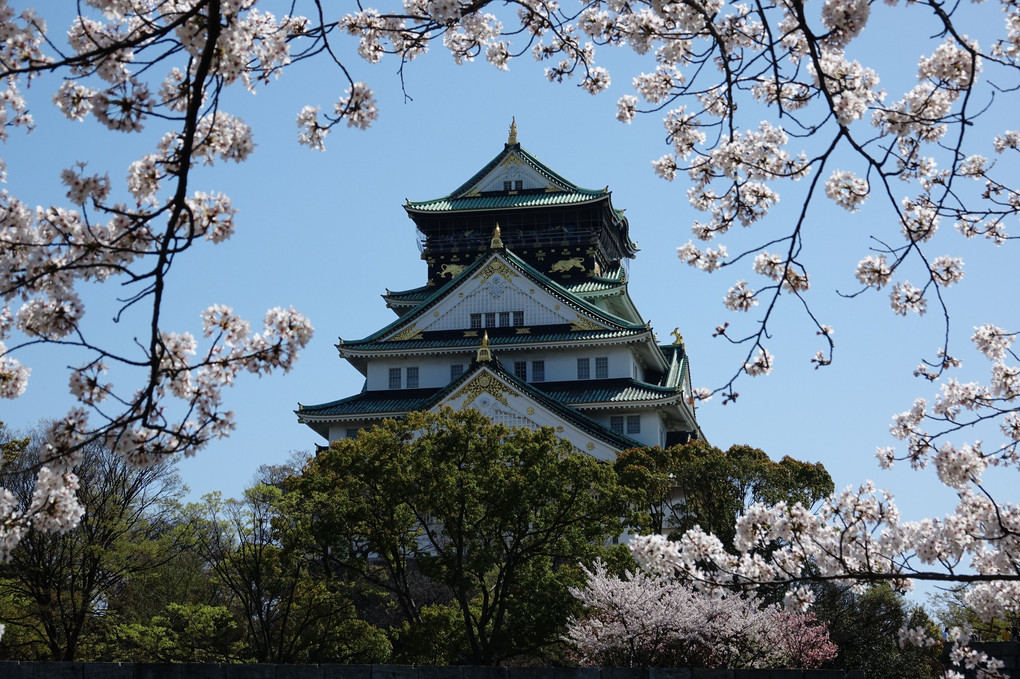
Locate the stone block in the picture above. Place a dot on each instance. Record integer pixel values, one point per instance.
(576, 673)
(786, 674)
(394, 672)
(483, 672)
(855, 674)
(109, 670)
(59, 670)
(437, 672)
(704, 673)
(752, 674)
(347, 671)
(196, 670)
(669, 673)
(824, 674)
(299, 672)
(528, 673)
(17, 670)
(157, 670)
(624, 673)
(249, 671)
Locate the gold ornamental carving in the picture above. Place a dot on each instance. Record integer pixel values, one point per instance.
(409, 333)
(582, 324)
(531, 411)
(452, 270)
(485, 384)
(565, 265)
(511, 159)
(590, 446)
(523, 331)
(496, 266)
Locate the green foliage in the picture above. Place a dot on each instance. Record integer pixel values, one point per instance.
(56, 590)
(951, 611)
(696, 484)
(864, 627)
(288, 614)
(181, 633)
(449, 512)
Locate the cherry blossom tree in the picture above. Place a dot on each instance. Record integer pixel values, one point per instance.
(645, 619)
(757, 99)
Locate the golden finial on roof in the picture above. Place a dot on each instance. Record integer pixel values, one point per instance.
(496, 243)
(483, 351)
(677, 337)
(512, 139)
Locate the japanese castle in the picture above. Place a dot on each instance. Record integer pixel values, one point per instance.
(525, 316)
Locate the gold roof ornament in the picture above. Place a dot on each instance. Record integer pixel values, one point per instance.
(512, 138)
(484, 355)
(678, 339)
(496, 243)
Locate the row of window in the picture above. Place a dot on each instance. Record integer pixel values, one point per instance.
(488, 320)
(407, 378)
(601, 368)
(411, 374)
(632, 422)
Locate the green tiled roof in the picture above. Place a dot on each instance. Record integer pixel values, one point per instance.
(448, 203)
(605, 391)
(373, 402)
(412, 294)
(613, 279)
(568, 193)
(494, 341)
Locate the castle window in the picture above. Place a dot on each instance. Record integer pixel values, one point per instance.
(490, 319)
(352, 433)
(476, 321)
(538, 371)
(518, 318)
(521, 369)
(504, 319)
(412, 377)
(394, 378)
(507, 185)
(456, 370)
(601, 367)
(583, 369)
(519, 185)
(616, 423)
(633, 424)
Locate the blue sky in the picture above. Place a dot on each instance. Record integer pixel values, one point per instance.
(325, 232)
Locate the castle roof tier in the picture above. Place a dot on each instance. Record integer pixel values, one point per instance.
(555, 225)
(530, 333)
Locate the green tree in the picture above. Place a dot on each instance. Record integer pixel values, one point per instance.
(864, 627)
(57, 588)
(456, 518)
(698, 484)
(287, 615)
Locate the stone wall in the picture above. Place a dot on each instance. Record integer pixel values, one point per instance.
(74, 670)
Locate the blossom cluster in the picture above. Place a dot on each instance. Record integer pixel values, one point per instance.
(129, 66)
(648, 619)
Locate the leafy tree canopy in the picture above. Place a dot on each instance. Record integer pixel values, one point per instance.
(495, 519)
(696, 484)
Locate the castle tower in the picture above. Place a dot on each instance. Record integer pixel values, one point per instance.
(525, 316)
